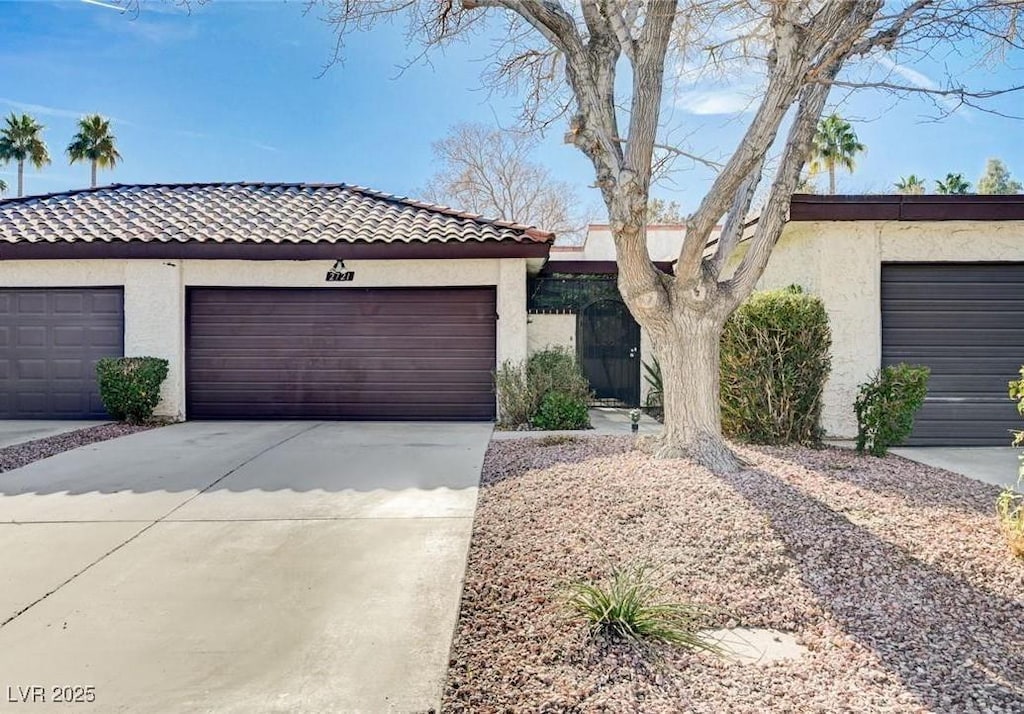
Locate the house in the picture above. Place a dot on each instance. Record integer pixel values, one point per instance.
(574, 302)
(933, 280)
(268, 300)
(334, 301)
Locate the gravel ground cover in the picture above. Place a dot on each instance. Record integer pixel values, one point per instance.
(14, 457)
(894, 575)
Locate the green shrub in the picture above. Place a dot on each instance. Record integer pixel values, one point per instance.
(522, 387)
(775, 360)
(886, 406)
(516, 403)
(630, 607)
(559, 410)
(556, 368)
(130, 386)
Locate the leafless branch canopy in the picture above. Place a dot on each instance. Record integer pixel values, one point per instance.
(605, 65)
(492, 172)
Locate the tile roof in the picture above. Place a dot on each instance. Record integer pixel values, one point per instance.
(295, 213)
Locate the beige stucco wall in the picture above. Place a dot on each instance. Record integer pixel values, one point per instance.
(841, 262)
(154, 295)
(543, 331)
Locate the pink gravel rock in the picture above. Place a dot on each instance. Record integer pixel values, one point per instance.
(894, 576)
(18, 455)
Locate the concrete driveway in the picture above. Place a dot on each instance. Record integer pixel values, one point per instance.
(997, 465)
(238, 567)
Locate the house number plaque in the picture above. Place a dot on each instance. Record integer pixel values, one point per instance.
(339, 274)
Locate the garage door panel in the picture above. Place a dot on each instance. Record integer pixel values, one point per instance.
(966, 323)
(50, 340)
(341, 353)
(950, 337)
(984, 319)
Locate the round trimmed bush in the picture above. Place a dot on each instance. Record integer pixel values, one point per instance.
(130, 386)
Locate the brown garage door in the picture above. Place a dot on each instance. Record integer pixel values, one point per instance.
(965, 322)
(341, 353)
(50, 340)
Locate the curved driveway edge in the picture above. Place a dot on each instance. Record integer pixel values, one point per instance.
(240, 567)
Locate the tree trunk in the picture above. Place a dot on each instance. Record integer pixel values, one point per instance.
(832, 179)
(94, 174)
(688, 351)
(21, 179)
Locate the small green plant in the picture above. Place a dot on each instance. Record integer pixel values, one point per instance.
(655, 402)
(1010, 510)
(1010, 504)
(559, 410)
(130, 386)
(522, 387)
(630, 607)
(774, 363)
(886, 406)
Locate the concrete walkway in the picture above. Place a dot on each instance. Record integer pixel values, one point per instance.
(607, 421)
(240, 567)
(997, 465)
(18, 431)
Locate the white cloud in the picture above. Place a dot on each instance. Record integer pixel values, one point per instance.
(263, 147)
(42, 109)
(104, 4)
(48, 111)
(917, 79)
(922, 81)
(730, 100)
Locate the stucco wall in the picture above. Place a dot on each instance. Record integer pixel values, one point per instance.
(544, 331)
(841, 262)
(154, 292)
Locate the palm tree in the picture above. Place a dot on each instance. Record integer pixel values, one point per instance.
(835, 144)
(954, 185)
(21, 140)
(3, 187)
(912, 185)
(94, 143)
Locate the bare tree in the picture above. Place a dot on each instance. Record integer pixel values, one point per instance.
(492, 172)
(603, 64)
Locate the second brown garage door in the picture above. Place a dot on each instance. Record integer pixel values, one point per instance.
(341, 353)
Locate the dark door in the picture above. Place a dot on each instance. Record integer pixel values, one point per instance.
(50, 341)
(341, 353)
(608, 340)
(965, 322)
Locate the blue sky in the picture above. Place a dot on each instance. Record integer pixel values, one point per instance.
(233, 91)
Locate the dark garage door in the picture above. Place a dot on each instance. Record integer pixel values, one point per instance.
(966, 322)
(50, 340)
(341, 353)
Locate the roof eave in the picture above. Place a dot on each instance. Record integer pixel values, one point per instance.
(366, 250)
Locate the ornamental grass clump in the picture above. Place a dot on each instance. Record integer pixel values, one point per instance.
(629, 607)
